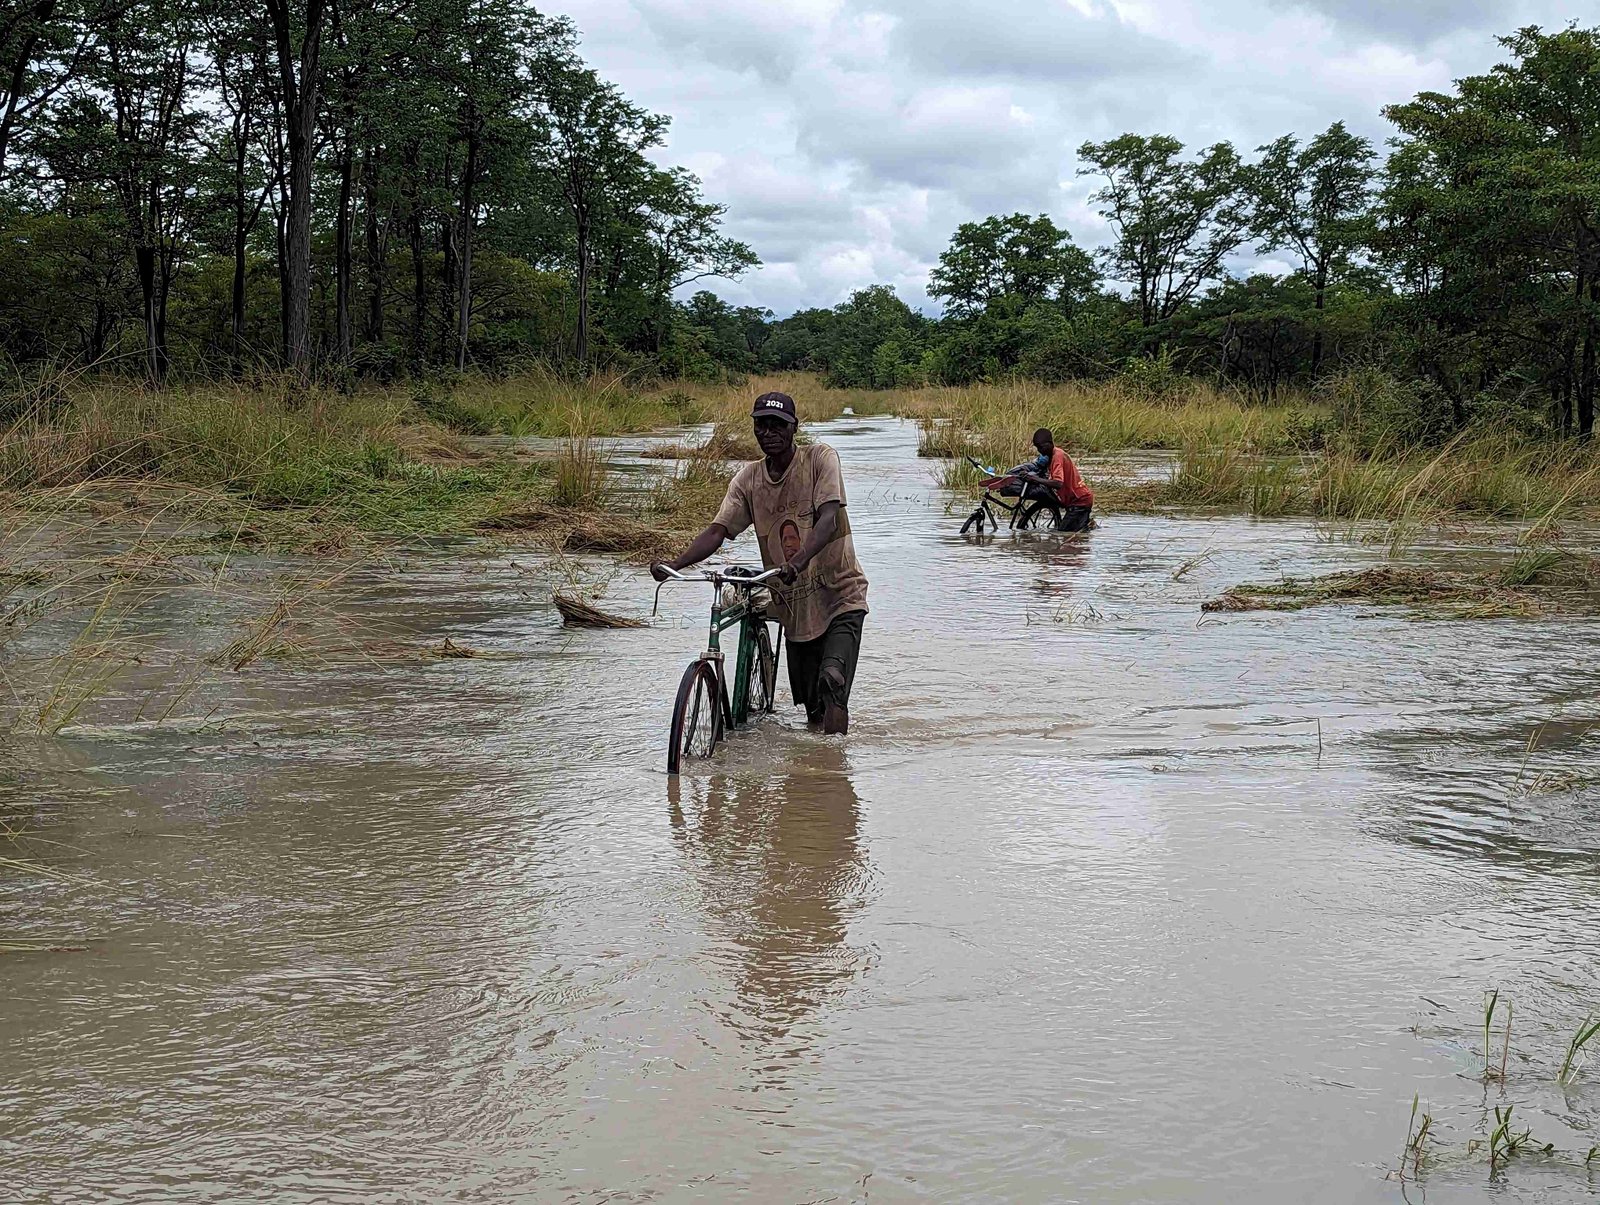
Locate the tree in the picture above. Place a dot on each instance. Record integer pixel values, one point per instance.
(1490, 221)
(41, 49)
(238, 51)
(126, 132)
(453, 137)
(1315, 200)
(875, 341)
(686, 245)
(298, 43)
(1031, 259)
(1175, 220)
(595, 141)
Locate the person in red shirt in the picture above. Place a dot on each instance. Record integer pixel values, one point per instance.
(1054, 477)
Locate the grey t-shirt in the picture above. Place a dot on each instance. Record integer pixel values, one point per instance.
(783, 513)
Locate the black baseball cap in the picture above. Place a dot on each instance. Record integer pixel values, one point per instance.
(775, 405)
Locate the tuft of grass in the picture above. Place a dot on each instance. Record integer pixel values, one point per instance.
(581, 475)
(1534, 566)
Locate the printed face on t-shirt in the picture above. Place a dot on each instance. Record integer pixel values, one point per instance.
(789, 539)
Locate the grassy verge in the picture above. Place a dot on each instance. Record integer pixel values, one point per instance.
(1492, 473)
(122, 511)
(539, 404)
(1289, 458)
(995, 423)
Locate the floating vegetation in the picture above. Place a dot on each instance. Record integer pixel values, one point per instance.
(1190, 565)
(1428, 592)
(577, 612)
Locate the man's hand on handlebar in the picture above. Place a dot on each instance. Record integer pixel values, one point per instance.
(660, 571)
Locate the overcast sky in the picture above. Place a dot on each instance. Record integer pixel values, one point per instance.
(849, 138)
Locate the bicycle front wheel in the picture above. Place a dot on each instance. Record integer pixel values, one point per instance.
(696, 717)
(764, 671)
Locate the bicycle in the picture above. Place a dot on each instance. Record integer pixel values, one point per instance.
(704, 709)
(1036, 514)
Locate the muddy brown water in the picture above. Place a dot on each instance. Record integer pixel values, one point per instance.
(1098, 901)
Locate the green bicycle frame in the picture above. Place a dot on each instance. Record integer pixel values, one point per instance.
(736, 706)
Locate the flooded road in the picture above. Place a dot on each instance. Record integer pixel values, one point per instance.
(1098, 902)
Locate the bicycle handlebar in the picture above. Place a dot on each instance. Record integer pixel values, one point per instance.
(716, 577)
(723, 575)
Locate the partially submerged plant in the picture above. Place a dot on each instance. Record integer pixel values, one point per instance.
(1575, 1049)
(1506, 1143)
(1418, 1132)
(1491, 1000)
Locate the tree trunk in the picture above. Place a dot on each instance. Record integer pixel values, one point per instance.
(658, 304)
(240, 231)
(375, 249)
(144, 259)
(163, 292)
(419, 284)
(447, 287)
(19, 75)
(468, 218)
(299, 75)
(283, 275)
(342, 256)
(1316, 332)
(583, 292)
(1587, 373)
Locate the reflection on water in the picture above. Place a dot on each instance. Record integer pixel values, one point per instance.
(779, 873)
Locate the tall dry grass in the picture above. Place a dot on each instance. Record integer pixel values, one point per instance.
(995, 423)
(540, 403)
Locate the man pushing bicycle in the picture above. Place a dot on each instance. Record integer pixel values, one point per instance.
(794, 497)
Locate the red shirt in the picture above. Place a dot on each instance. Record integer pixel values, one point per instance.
(1069, 484)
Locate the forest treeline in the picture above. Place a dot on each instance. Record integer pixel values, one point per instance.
(1462, 266)
(372, 186)
(378, 187)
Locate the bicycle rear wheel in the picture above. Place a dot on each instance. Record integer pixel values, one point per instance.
(1039, 516)
(696, 717)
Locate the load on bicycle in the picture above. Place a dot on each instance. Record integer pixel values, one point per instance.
(1049, 493)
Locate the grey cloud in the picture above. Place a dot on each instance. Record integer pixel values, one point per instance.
(1037, 40)
(849, 138)
(1416, 22)
(950, 138)
(761, 39)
